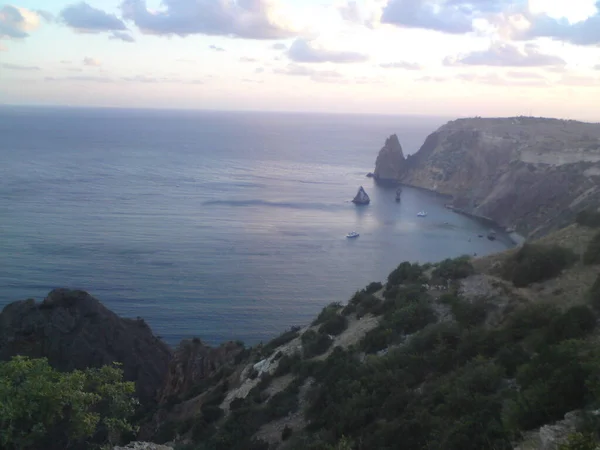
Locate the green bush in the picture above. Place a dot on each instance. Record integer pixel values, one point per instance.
(469, 314)
(592, 253)
(314, 343)
(575, 323)
(286, 433)
(535, 262)
(287, 364)
(453, 269)
(588, 218)
(43, 408)
(406, 273)
(211, 413)
(580, 441)
(373, 287)
(327, 313)
(594, 294)
(376, 339)
(280, 340)
(362, 304)
(334, 325)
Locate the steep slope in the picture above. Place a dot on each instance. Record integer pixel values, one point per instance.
(75, 331)
(525, 173)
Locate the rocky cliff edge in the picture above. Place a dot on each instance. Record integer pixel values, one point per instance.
(532, 174)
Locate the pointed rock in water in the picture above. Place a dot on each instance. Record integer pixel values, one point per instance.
(361, 197)
(391, 163)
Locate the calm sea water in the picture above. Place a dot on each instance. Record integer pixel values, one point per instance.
(217, 225)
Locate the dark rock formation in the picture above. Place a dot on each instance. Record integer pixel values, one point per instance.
(530, 174)
(75, 331)
(361, 197)
(390, 164)
(193, 362)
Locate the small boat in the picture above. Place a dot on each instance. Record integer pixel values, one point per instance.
(422, 214)
(352, 234)
(398, 192)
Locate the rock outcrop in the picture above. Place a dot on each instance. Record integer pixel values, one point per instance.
(194, 362)
(75, 331)
(526, 173)
(390, 164)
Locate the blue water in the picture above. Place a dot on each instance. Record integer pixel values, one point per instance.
(218, 225)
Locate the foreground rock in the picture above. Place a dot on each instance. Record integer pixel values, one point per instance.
(526, 173)
(75, 331)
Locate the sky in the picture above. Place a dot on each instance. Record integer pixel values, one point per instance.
(417, 57)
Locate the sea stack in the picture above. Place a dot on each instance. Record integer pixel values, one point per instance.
(391, 163)
(361, 197)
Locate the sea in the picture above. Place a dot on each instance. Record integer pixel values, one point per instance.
(217, 225)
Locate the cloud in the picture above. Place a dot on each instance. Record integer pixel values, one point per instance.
(246, 59)
(502, 54)
(314, 74)
(16, 23)
(19, 67)
(597, 67)
(526, 75)
(141, 79)
(216, 49)
(579, 80)
(303, 51)
(401, 65)
(496, 79)
(259, 70)
(91, 62)
(251, 19)
(121, 36)
(82, 78)
(448, 17)
(279, 46)
(584, 32)
(3, 48)
(350, 12)
(430, 79)
(84, 17)
(47, 16)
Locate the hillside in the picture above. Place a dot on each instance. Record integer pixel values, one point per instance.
(495, 353)
(531, 174)
(463, 354)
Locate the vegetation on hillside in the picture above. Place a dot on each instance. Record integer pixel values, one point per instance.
(43, 408)
(588, 218)
(533, 263)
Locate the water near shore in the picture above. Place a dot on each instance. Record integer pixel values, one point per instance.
(219, 225)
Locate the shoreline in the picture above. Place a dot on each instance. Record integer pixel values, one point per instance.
(515, 238)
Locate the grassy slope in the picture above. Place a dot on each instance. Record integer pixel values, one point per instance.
(567, 289)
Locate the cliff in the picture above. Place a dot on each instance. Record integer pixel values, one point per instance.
(75, 331)
(532, 174)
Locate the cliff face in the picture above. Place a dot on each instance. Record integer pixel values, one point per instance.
(194, 362)
(528, 173)
(75, 331)
(390, 162)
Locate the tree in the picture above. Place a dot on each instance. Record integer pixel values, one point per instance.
(43, 408)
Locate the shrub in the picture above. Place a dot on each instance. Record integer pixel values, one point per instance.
(44, 408)
(453, 269)
(327, 313)
(373, 287)
(406, 272)
(594, 294)
(280, 340)
(314, 343)
(592, 254)
(575, 323)
(286, 433)
(363, 304)
(580, 441)
(588, 218)
(334, 325)
(411, 318)
(211, 413)
(536, 262)
(469, 314)
(376, 339)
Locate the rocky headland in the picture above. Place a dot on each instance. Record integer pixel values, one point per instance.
(529, 174)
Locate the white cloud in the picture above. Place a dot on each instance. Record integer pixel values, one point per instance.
(508, 55)
(313, 74)
(401, 65)
(121, 36)
(84, 17)
(91, 62)
(19, 67)
(17, 23)
(306, 52)
(251, 19)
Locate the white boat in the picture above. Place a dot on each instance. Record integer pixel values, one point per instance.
(352, 234)
(422, 214)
